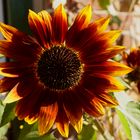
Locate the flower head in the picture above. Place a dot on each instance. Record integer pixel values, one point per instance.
(57, 74)
(133, 60)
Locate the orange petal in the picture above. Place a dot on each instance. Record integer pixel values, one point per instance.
(81, 22)
(20, 90)
(62, 123)
(107, 100)
(12, 95)
(38, 27)
(8, 31)
(98, 106)
(46, 17)
(109, 68)
(94, 108)
(108, 83)
(89, 103)
(59, 24)
(102, 56)
(112, 36)
(74, 113)
(102, 23)
(47, 117)
(77, 123)
(83, 18)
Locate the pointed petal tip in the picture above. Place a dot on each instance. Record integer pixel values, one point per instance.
(63, 129)
(8, 100)
(107, 19)
(30, 120)
(120, 47)
(60, 7)
(128, 69)
(12, 95)
(64, 134)
(88, 7)
(1, 23)
(31, 12)
(2, 26)
(78, 126)
(7, 74)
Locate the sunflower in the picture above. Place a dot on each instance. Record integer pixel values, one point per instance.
(57, 74)
(132, 59)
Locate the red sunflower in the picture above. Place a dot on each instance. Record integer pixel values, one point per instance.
(58, 73)
(133, 60)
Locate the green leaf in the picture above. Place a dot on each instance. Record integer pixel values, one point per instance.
(88, 133)
(3, 129)
(133, 116)
(30, 132)
(131, 110)
(1, 109)
(8, 114)
(125, 124)
(26, 129)
(104, 3)
(34, 136)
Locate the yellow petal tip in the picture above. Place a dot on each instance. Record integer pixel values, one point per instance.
(78, 126)
(30, 120)
(12, 95)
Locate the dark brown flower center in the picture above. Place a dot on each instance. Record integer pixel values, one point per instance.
(59, 68)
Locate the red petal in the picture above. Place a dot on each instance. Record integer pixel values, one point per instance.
(62, 122)
(47, 117)
(48, 23)
(106, 99)
(81, 22)
(108, 68)
(30, 104)
(38, 27)
(101, 82)
(102, 23)
(20, 90)
(13, 95)
(96, 55)
(16, 71)
(9, 32)
(59, 25)
(25, 51)
(6, 84)
(73, 111)
(89, 103)
(94, 108)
